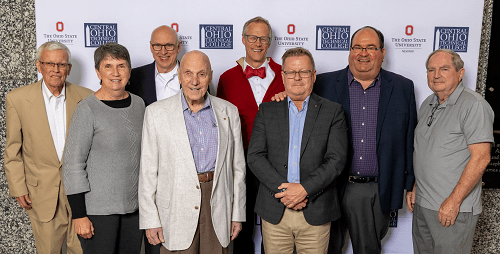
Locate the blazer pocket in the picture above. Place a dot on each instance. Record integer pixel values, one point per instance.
(31, 180)
(162, 204)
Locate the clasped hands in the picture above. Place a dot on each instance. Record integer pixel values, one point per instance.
(294, 197)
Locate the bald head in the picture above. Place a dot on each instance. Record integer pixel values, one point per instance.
(197, 57)
(195, 75)
(165, 47)
(165, 31)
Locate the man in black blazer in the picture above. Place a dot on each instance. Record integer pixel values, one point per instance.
(297, 150)
(158, 80)
(380, 161)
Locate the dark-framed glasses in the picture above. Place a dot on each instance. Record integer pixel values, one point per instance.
(302, 73)
(431, 117)
(52, 65)
(168, 47)
(253, 39)
(369, 49)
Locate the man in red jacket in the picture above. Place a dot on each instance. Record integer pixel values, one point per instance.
(255, 79)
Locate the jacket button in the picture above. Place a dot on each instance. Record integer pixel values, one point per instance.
(285, 166)
(197, 187)
(196, 207)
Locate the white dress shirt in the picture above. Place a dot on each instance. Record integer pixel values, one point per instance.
(56, 114)
(167, 84)
(259, 85)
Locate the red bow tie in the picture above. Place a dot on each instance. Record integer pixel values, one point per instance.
(250, 72)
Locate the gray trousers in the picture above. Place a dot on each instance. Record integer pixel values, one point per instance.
(430, 237)
(366, 223)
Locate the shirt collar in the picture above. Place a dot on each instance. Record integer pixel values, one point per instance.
(304, 103)
(173, 72)
(350, 78)
(185, 106)
(265, 64)
(48, 94)
(452, 99)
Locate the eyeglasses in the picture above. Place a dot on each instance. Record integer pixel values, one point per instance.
(369, 49)
(302, 74)
(168, 47)
(52, 65)
(431, 117)
(263, 39)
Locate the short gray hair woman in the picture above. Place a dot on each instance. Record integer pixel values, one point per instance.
(101, 159)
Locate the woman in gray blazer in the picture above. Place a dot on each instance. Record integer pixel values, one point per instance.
(101, 159)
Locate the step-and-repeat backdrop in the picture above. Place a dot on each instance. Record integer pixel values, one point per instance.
(412, 30)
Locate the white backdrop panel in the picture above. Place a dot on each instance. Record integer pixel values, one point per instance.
(136, 19)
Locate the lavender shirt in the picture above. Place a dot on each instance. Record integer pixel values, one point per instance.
(203, 135)
(364, 109)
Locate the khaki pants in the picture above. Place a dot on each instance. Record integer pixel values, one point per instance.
(293, 229)
(205, 240)
(49, 236)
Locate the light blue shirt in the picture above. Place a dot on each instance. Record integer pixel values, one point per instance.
(296, 121)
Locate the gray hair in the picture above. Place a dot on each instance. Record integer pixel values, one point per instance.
(50, 46)
(379, 34)
(113, 50)
(257, 19)
(458, 63)
(298, 51)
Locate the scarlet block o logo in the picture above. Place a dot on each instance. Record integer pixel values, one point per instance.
(59, 26)
(291, 29)
(409, 30)
(176, 26)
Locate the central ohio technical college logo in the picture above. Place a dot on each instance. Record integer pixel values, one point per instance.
(100, 33)
(454, 38)
(216, 36)
(333, 37)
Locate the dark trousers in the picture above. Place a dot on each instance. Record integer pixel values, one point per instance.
(116, 233)
(366, 223)
(338, 232)
(244, 242)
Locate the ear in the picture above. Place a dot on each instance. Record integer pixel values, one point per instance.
(69, 69)
(38, 66)
(461, 72)
(98, 74)
(383, 54)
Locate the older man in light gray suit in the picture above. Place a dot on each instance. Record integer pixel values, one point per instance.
(192, 180)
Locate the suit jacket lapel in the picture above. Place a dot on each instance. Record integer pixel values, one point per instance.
(386, 87)
(312, 113)
(282, 117)
(38, 115)
(182, 137)
(343, 94)
(223, 129)
(149, 84)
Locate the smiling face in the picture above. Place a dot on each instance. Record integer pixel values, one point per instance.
(366, 65)
(298, 88)
(442, 77)
(195, 75)
(256, 52)
(53, 77)
(113, 73)
(165, 60)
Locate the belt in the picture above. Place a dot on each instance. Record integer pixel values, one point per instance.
(363, 179)
(206, 176)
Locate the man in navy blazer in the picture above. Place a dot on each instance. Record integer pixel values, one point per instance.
(158, 80)
(381, 116)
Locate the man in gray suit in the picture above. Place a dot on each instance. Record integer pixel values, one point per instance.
(297, 150)
(192, 179)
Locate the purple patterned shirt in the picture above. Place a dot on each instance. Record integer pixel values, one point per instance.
(203, 135)
(364, 109)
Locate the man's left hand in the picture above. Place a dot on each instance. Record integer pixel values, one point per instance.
(294, 194)
(448, 212)
(235, 229)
